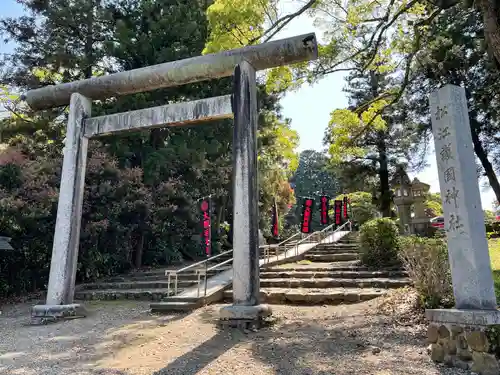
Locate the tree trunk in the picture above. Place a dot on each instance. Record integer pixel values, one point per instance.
(489, 9)
(139, 250)
(383, 173)
(483, 157)
(89, 42)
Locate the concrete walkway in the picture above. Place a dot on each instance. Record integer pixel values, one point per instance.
(224, 279)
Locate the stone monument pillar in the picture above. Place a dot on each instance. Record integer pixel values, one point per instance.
(460, 336)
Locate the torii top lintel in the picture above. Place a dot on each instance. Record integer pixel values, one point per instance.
(176, 73)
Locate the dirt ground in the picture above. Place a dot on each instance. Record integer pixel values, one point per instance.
(123, 338)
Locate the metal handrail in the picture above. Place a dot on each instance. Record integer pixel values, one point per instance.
(199, 263)
(175, 273)
(267, 255)
(320, 233)
(204, 272)
(289, 238)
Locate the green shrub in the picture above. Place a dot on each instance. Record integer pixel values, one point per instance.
(426, 261)
(379, 243)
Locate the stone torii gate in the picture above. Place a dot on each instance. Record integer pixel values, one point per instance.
(243, 63)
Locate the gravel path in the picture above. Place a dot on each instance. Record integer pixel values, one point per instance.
(122, 338)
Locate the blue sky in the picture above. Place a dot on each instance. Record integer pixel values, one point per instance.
(310, 106)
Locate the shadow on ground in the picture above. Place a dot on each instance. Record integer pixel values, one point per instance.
(61, 347)
(122, 338)
(336, 346)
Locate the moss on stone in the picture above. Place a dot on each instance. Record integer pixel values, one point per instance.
(493, 336)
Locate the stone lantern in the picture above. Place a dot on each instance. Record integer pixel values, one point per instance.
(407, 194)
(420, 221)
(403, 199)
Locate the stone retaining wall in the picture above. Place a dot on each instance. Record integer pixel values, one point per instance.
(474, 348)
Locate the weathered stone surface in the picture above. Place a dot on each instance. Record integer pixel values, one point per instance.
(462, 342)
(455, 331)
(238, 312)
(332, 257)
(62, 276)
(432, 333)
(43, 314)
(466, 235)
(484, 364)
(477, 341)
(464, 317)
(177, 114)
(464, 354)
(448, 360)
(334, 283)
(450, 346)
(443, 332)
(437, 353)
(124, 294)
(458, 363)
(314, 297)
(175, 73)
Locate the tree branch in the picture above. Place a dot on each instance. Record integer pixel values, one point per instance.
(277, 26)
(406, 78)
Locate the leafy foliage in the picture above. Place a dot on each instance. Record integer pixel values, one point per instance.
(379, 240)
(142, 188)
(362, 206)
(456, 55)
(312, 179)
(433, 205)
(426, 261)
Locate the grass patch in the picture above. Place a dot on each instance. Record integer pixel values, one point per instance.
(494, 245)
(304, 261)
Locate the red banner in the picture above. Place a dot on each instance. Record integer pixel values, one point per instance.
(346, 201)
(275, 230)
(338, 212)
(307, 211)
(207, 227)
(325, 206)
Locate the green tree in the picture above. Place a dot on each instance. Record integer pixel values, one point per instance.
(405, 23)
(312, 179)
(375, 145)
(457, 56)
(362, 206)
(170, 168)
(278, 160)
(433, 204)
(55, 41)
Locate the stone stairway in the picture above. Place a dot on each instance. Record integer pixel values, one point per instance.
(328, 274)
(151, 285)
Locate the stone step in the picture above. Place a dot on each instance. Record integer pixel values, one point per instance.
(161, 271)
(318, 267)
(121, 294)
(337, 248)
(311, 296)
(136, 285)
(333, 251)
(306, 274)
(339, 244)
(164, 307)
(385, 283)
(159, 277)
(331, 257)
